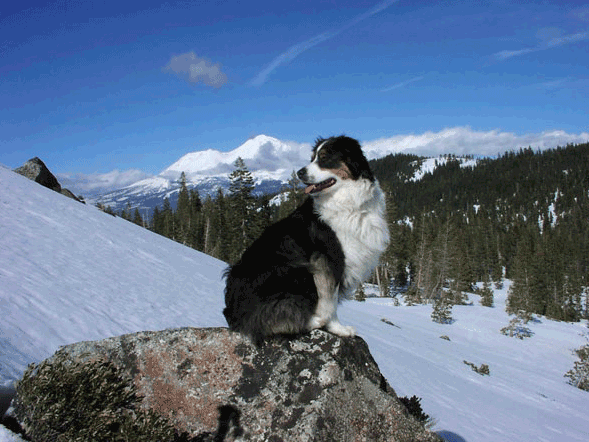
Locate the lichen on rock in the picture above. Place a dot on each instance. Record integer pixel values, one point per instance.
(214, 384)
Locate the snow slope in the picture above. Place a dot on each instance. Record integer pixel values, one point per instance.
(69, 272)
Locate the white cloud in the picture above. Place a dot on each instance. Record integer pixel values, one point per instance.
(196, 70)
(466, 141)
(87, 184)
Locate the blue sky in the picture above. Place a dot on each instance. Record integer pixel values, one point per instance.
(91, 87)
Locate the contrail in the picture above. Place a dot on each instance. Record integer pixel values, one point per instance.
(401, 84)
(552, 43)
(299, 48)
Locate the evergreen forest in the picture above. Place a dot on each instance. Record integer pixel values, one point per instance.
(523, 216)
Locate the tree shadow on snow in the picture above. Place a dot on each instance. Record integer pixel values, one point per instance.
(449, 436)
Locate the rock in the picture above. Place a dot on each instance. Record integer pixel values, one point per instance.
(35, 170)
(215, 385)
(69, 194)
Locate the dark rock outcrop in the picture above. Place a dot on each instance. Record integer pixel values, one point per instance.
(69, 194)
(37, 171)
(215, 385)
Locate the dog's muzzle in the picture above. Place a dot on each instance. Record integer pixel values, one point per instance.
(314, 187)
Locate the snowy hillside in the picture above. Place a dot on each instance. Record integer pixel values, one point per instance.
(69, 272)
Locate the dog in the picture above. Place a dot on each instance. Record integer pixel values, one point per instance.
(291, 279)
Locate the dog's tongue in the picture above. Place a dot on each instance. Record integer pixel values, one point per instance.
(319, 186)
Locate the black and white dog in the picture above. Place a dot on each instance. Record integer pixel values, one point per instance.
(291, 279)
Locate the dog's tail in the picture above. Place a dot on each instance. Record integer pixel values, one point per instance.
(285, 315)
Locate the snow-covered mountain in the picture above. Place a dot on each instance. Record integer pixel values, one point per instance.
(271, 162)
(266, 157)
(69, 273)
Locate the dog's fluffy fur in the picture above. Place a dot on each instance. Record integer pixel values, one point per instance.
(291, 279)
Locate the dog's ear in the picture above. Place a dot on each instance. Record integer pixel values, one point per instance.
(355, 159)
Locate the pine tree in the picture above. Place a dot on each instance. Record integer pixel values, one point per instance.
(294, 196)
(422, 264)
(579, 375)
(244, 218)
(182, 215)
(196, 228)
(442, 308)
(126, 212)
(520, 295)
(157, 221)
(137, 219)
(486, 294)
(392, 271)
(168, 226)
(360, 294)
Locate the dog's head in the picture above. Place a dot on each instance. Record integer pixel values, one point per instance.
(334, 161)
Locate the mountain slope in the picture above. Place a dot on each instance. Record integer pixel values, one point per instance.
(69, 272)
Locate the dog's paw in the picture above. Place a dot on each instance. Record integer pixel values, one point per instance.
(344, 331)
(316, 322)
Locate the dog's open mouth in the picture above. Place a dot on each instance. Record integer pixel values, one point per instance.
(314, 188)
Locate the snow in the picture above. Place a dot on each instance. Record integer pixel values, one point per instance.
(525, 398)
(429, 165)
(8, 436)
(156, 184)
(270, 157)
(69, 272)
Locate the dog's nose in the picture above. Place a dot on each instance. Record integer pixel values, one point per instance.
(302, 174)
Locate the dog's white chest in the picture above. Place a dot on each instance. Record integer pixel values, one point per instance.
(357, 216)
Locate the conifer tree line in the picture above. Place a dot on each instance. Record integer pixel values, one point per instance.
(522, 216)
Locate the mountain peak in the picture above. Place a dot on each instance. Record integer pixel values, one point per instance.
(262, 152)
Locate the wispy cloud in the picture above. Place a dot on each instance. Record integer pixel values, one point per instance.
(554, 84)
(297, 49)
(195, 69)
(548, 44)
(401, 84)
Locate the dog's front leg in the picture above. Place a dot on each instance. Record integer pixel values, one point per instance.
(327, 292)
